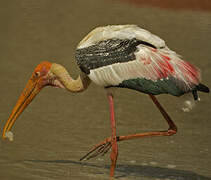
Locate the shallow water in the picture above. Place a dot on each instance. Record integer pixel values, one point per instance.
(59, 127)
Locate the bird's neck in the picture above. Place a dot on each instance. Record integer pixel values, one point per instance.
(78, 85)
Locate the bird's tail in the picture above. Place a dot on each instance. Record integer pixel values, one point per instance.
(199, 87)
(189, 102)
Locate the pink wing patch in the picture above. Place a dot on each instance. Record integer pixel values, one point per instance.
(166, 63)
(190, 72)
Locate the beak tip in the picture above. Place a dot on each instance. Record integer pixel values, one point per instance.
(8, 135)
(3, 138)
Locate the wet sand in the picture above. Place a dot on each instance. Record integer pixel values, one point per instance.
(59, 127)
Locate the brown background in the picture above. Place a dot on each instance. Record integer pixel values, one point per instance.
(59, 127)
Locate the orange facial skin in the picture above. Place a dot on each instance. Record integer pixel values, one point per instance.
(37, 81)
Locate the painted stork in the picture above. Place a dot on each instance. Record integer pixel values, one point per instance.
(120, 56)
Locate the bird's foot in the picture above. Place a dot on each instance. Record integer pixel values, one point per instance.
(99, 149)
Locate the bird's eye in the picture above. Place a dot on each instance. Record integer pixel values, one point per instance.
(37, 74)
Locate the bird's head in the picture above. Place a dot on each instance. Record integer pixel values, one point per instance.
(41, 77)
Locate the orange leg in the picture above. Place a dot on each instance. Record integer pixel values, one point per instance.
(171, 130)
(109, 142)
(114, 152)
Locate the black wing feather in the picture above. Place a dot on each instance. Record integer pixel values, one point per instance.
(107, 52)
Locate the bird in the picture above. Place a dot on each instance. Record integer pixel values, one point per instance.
(117, 56)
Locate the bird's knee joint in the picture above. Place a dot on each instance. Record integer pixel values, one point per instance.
(172, 131)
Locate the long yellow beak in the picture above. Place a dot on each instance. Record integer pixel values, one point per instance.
(30, 91)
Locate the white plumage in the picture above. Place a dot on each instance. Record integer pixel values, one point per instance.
(120, 32)
(150, 63)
